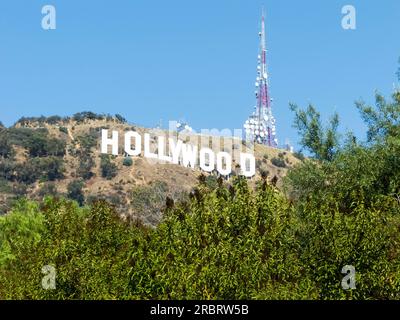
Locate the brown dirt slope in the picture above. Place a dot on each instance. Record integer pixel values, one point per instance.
(138, 190)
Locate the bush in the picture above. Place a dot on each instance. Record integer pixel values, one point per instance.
(40, 146)
(86, 164)
(42, 120)
(88, 141)
(75, 191)
(53, 119)
(108, 169)
(52, 168)
(278, 162)
(127, 161)
(37, 142)
(120, 118)
(63, 130)
(86, 115)
(211, 182)
(8, 169)
(46, 169)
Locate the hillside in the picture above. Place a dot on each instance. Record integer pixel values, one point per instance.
(61, 157)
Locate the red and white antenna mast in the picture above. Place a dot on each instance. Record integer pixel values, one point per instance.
(260, 126)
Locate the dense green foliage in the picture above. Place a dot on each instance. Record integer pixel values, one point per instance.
(230, 242)
(355, 170)
(36, 141)
(322, 142)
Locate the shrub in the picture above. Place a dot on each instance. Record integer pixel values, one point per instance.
(278, 162)
(8, 169)
(52, 168)
(211, 182)
(108, 169)
(88, 141)
(127, 161)
(48, 168)
(53, 119)
(120, 118)
(63, 130)
(37, 142)
(86, 164)
(75, 191)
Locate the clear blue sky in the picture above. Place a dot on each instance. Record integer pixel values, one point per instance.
(152, 60)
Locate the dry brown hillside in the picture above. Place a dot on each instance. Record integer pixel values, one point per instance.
(137, 190)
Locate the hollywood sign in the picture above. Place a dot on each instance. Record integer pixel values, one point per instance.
(179, 152)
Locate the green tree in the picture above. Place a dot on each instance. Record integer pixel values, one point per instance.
(372, 169)
(20, 231)
(322, 142)
(88, 248)
(384, 120)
